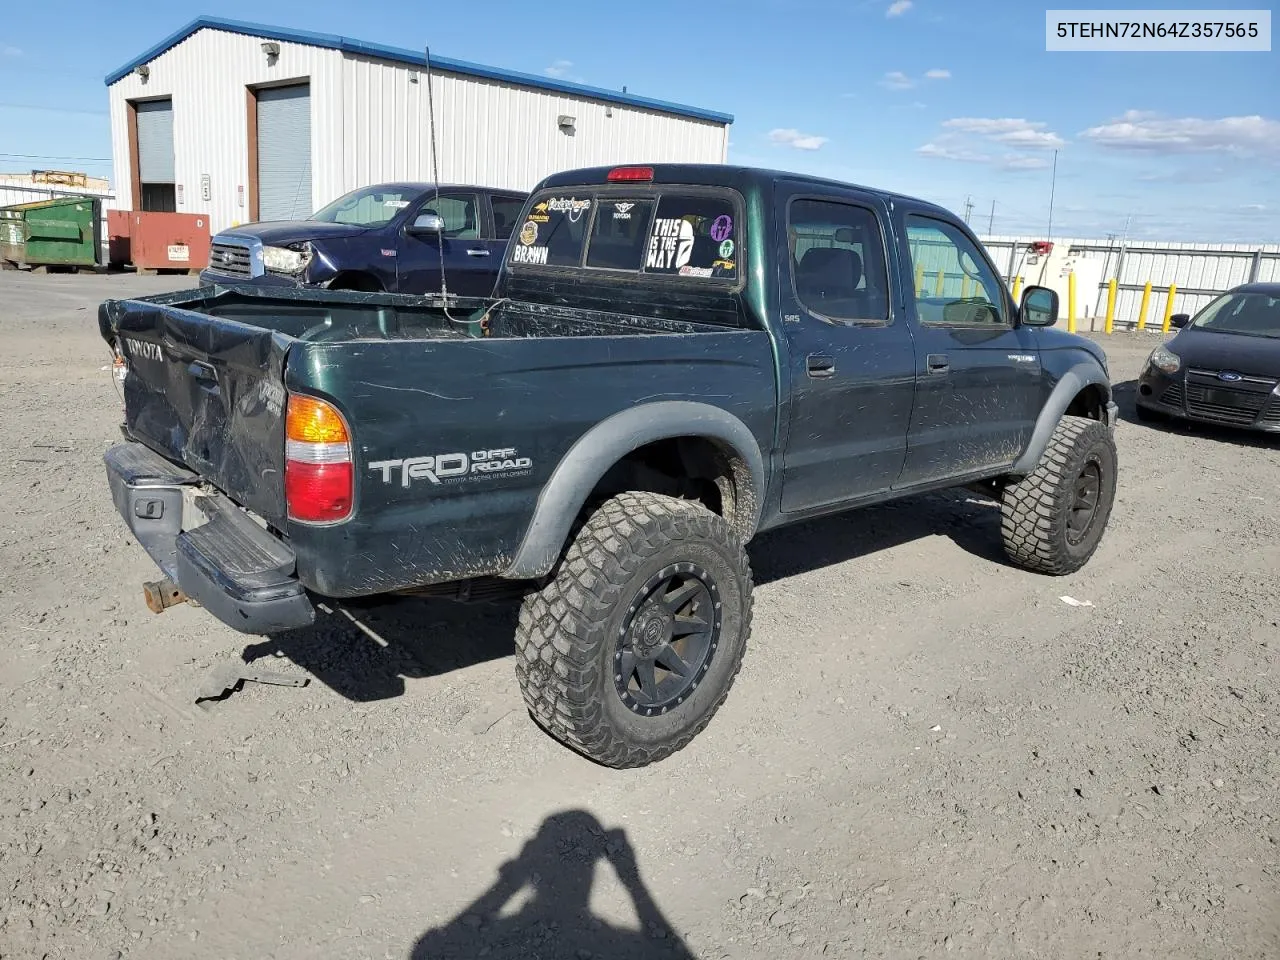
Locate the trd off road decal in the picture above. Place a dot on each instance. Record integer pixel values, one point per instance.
(453, 467)
(670, 246)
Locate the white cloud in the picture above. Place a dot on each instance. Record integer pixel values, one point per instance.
(1007, 130)
(943, 151)
(1013, 161)
(7, 51)
(897, 80)
(560, 69)
(898, 8)
(1252, 136)
(794, 138)
(972, 139)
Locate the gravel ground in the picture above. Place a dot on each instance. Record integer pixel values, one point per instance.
(928, 752)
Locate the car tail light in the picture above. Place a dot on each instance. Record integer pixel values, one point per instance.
(319, 482)
(631, 173)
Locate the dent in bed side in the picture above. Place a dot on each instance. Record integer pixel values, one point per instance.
(1083, 373)
(588, 460)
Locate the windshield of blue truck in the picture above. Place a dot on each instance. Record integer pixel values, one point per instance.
(369, 207)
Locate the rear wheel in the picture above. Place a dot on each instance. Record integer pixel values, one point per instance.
(1053, 519)
(630, 650)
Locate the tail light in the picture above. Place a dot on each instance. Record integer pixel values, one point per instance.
(319, 479)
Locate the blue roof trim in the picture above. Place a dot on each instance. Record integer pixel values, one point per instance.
(416, 58)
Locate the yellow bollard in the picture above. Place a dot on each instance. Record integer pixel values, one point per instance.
(1111, 304)
(937, 289)
(1142, 310)
(964, 287)
(1071, 302)
(1017, 289)
(1168, 306)
(919, 279)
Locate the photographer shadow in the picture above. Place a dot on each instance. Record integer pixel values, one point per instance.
(555, 872)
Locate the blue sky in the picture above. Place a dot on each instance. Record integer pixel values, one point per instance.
(953, 101)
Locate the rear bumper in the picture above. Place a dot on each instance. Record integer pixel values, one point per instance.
(237, 570)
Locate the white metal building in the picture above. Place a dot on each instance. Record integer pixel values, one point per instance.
(244, 122)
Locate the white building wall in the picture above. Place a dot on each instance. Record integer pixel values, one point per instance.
(369, 124)
(499, 135)
(206, 75)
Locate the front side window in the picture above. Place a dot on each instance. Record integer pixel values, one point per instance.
(458, 211)
(954, 286)
(838, 260)
(367, 207)
(1253, 314)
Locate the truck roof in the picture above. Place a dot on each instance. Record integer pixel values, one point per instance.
(721, 175)
(410, 185)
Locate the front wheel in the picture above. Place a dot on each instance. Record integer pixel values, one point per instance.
(1053, 519)
(626, 655)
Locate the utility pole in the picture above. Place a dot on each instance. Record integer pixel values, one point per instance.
(968, 208)
(991, 224)
(1052, 187)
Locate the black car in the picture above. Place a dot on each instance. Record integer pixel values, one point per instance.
(392, 237)
(1223, 366)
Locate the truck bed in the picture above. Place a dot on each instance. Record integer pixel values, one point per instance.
(209, 371)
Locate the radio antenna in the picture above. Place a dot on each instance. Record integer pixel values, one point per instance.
(435, 174)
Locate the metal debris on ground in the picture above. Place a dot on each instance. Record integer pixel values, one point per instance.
(227, 678)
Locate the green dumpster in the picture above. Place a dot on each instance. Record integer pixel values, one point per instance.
(66, 231)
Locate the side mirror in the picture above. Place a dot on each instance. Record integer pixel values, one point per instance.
(426, 223)
(1179, 320)
(1039, 307)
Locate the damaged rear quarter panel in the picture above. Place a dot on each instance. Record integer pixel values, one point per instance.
(524, 398)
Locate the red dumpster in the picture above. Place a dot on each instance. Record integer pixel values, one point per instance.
(162, 241)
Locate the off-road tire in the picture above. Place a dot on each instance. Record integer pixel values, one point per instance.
(568, 633)
(1035, 511)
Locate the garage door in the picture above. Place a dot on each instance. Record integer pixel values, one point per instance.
(284, 153)
(155, 154)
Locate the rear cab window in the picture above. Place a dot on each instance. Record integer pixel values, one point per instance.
(682, 233)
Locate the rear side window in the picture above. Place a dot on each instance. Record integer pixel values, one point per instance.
(554, 232)
(676, 234)
(838, 260)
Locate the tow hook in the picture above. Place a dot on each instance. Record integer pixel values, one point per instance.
(162, 594)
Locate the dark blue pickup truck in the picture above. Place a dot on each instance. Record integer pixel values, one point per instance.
(387, 237)
(675, 359)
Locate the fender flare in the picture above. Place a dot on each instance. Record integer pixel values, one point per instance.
(1067, 389)
(601, 447)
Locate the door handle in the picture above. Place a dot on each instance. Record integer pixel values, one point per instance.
(477, 253)
(938, 363)
(819, 366)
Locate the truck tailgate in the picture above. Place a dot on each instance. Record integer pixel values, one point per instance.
(209, 393)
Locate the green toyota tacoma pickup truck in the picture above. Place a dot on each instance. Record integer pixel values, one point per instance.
(674, 359)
